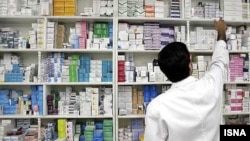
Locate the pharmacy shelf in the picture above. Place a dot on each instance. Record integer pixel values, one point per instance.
(71, 19)
(144, 83)
(170, 21)
(201, 51)
(169, 83)
(19, 83)
(78, 83)
(191, 51)
(177, 21)
(199, 21)
(211, 51)
(236, 113)
(139, 51)
(19, 116)
(19, 19)
(239, 51)
(74, 116)
(237, 82)
(79, 50)
(19, 50)
(131, 116)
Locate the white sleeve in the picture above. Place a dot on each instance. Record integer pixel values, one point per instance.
(219, 64)
(156, 128)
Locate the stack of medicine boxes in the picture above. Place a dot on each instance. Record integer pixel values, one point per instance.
(108, 129)
(89, 130)
(73, 68)
(64, 8)
(103, 35)
(36, 35)
(175, 9)
(5, 106)
(51, 35)
(37, 99)
(123, 8)
(233, 10)
(101, 8)
(70, 130)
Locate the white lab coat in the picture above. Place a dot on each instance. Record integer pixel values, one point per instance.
(191, 109)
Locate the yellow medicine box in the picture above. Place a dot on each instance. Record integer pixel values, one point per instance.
(70, 4)
(58, 13)
(59, 3)
(70, 10)
(70, 14)
(59, 9)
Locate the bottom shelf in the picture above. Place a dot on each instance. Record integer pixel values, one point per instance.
(237, 119)
(131, 129)
(54, 129)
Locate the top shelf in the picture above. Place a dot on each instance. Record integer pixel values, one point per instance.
(66, 19)
(179, 21)
(19, 19)
(206, 22)
(176, 21)
(70, 19)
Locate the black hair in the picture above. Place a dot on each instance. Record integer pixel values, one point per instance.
(174, 60)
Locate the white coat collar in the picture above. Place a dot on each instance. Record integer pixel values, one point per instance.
(183, 82)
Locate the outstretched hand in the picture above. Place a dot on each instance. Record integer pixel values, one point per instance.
(220, 25)
(221, 28)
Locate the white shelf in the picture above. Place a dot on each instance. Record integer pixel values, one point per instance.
(200, 21)
(131, 116)
(19, 83)
(240, 82)
(211, 51)
(139, 51)
(236, 113)
(79, 83)
(59, 50)
(191, 51)
(19, 50)
(170, 21)
(19, 19)
(109, 50)
(71, 19)
(201, 51)
(18, 116)
(144, 83)
(79, 50)
(74, 116)
(193, 21)
(239, 51)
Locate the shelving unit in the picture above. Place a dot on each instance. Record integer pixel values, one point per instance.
(141, 57)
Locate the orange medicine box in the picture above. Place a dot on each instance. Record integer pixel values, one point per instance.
(149, 8)
(150, 14)
(58, 0)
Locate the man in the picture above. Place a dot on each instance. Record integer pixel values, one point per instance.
(191, 109)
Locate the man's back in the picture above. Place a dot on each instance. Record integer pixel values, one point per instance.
(188, 109)
(191, 109)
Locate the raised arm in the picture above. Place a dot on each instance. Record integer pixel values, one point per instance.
(217, 71)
